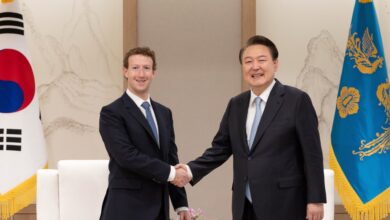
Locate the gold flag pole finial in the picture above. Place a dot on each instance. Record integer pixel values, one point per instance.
(7, 1)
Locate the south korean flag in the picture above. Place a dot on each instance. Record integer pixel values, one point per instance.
(22, 144)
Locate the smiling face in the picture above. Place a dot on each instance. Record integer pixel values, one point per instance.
(258, 67)
(139, 75)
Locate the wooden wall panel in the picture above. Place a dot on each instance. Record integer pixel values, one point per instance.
(130, 24)
(248, 26)
(130, 27)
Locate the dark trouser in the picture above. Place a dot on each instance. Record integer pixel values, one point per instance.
(249, 213)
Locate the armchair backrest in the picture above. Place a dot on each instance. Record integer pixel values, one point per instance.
(83, 184)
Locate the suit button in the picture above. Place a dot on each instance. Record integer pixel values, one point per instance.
(250, 158)
(245, 178)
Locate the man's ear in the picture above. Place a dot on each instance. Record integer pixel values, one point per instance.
(276, 63)
(125, 72)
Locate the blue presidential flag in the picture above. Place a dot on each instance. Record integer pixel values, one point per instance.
(360, 135)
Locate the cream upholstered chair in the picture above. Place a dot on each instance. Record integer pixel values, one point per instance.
(76, 190)
(329, 187)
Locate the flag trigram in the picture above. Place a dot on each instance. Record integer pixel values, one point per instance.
(11, 23)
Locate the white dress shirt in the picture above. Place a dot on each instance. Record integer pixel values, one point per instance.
(138, 101)
(252, 107)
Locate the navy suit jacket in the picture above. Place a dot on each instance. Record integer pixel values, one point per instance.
(139, 167)
(284, 167)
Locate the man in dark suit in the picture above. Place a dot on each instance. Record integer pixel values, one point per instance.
(139, 137)
(272, 133)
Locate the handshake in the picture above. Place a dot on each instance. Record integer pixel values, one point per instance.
(183, 175)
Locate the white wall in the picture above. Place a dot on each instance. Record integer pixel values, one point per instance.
(76, 50)
(311, 37)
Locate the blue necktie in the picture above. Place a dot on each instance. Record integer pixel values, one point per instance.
(255, 125)
(256, 122)
(150, 120)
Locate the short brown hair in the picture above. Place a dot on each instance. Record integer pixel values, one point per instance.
(145, 51)
(260, 40)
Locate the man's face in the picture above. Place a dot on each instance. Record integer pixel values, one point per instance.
(139, 75)
(258, 67)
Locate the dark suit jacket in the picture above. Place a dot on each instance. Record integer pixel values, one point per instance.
(139, 168)
(284, 167)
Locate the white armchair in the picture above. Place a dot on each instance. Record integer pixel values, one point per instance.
(329, 187)
(76, 190)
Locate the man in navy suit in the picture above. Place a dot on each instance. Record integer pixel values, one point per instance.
(139, 137)
(272, 133)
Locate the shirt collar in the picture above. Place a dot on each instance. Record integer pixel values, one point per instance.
(264, 95)
(138, 101)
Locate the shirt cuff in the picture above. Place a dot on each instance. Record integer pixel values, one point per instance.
(172, 174)
(181, 209)
(189, 172)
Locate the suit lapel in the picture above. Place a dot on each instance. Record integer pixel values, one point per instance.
(271, 109)
(243, 113)
(137, 114)
(162, 131)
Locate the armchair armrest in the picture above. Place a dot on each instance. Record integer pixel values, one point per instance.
(329, 187)
(47, 195)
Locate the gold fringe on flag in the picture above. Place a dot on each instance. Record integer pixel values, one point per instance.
(7, 1)
(365, 1)
(19, 197)
(376, 209)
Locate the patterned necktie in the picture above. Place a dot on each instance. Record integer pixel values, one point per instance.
(150, 120)
(256, 122)
(255, 125)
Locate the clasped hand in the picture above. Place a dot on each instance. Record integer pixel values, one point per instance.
(182, 177)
